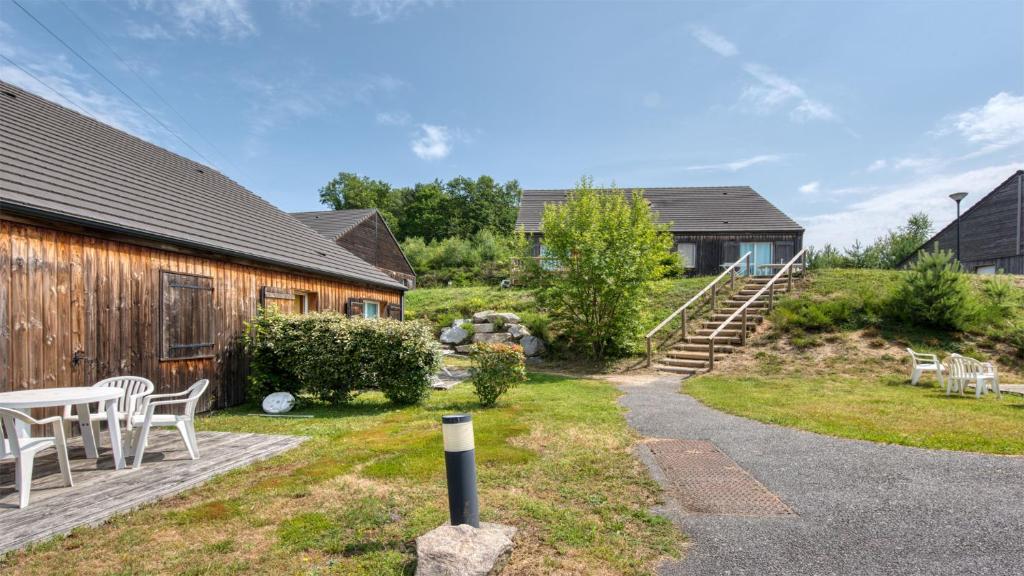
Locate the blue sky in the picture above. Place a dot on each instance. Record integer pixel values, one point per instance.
(848, 116)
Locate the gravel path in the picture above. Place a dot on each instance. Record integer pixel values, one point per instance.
(862, 508)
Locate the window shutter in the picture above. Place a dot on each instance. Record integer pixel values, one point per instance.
(186, 316)
(355, 307)
(282, 298)
(394, 311)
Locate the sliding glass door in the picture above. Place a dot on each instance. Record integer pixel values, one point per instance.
(760, 255)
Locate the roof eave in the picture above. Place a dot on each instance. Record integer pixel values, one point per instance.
(144, 235)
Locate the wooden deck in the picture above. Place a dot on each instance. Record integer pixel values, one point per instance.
(100, 491)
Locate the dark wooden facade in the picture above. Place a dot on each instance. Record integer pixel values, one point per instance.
(372, 241)
(78, 306)
(991, 231)
(712, 249)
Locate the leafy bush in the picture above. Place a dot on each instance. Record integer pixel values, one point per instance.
(496, 369)
(482, 258)
(333, 357)
(934, 293)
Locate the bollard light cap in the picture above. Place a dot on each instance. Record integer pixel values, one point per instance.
(456, 418)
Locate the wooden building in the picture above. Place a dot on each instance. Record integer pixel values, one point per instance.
(366, 234)
(991, 231)
(120, 257)
(710, 226)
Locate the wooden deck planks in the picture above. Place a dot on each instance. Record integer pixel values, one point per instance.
(101, 492)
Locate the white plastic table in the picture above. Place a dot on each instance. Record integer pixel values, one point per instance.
(80, 397)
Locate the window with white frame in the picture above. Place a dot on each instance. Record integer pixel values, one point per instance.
(371, 309)
(688, 254)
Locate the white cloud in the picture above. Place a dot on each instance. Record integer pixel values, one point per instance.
(385, 10)
(393, 118)
(810, 187)
(916, 164)
(652, 99)
(714, 42)
(432, 142)
(737, 165)
(773, 92)
(148, 32)
(59, 82)
(877, 165)
(997, 124)
(890, 206)
(228, 19)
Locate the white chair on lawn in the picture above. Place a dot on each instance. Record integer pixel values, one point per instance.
(921, 363)
(184, 422)
(964, 371)
(135, 389)
(23, 448)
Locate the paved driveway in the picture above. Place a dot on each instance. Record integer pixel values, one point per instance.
(862, 508)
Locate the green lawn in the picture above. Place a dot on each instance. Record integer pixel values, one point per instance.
(554, 459)
(859, 387)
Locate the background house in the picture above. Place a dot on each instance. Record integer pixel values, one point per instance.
(710, 226)
(991, 231)
(365, 234)
(119, 257)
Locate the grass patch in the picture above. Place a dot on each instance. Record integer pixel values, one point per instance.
(857, 385)
(554, 459)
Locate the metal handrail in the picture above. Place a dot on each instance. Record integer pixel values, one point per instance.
(770, 285)
(682, 309)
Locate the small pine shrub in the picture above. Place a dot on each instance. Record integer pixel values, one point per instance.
(934, 293)
(496, 369)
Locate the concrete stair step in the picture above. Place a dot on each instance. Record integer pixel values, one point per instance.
(703, 348)
(720, 340)
(676, 369)
(684, 362)
(701, 355)
(751, 317)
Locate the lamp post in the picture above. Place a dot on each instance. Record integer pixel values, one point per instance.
(957, 197)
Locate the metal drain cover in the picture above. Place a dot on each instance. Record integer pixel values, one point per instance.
(705, 481)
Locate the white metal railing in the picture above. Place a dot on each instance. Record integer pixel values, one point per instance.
(713, 287)
(742, 310)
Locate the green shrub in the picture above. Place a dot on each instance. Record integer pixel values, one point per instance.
(332, 357)
(934, 293)
(496, 369)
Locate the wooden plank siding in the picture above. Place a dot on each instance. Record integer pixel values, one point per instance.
(990, 231)
(76, 308)
(372, 241)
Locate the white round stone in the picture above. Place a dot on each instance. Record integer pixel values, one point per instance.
(278, 403)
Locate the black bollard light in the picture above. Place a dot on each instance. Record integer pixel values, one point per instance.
(460, 467)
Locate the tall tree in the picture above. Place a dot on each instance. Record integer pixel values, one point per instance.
(349, 191)
(483, 204)
(608, 249)
(426, 212)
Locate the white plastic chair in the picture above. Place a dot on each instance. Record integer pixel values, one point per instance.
(23, 448)
(184, 422)
(135, 389)
(964, 371)
(922, 363)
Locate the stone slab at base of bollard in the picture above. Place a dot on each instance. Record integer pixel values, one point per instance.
(464, 550)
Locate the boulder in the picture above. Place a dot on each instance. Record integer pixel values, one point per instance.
(464, 349)
(463, 550)
(492, 337)
(484, 328)
(481, 317)
(460, 322)
(508, 317)
(517, 331)
(532, 346)
(454, 335)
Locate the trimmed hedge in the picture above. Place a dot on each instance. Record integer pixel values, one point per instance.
(333, 357)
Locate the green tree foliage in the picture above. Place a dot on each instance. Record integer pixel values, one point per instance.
(459, 208)
(348, 191)
(608, 250)
(496, 369)
(934, 293)
(332, 357)
(887, 251)
(484, 257)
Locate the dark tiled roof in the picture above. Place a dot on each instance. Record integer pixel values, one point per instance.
(59, 164)
(716, 209)
(333, 223)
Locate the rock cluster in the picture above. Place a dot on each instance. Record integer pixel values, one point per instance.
(491, 327)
